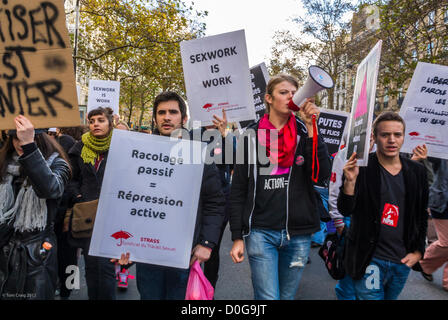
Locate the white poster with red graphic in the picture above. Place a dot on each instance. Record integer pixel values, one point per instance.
(363, 106)
(149, 199)
(216, 72)
(425, 110)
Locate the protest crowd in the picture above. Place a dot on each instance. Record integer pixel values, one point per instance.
(273, 216)
(273, 184)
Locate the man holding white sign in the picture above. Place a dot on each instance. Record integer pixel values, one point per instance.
(158, 282)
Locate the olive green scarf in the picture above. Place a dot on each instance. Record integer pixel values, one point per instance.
(93, 147)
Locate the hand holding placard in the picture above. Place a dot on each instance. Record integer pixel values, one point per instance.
(351, 171)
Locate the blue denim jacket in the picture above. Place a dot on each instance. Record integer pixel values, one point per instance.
(438, 193)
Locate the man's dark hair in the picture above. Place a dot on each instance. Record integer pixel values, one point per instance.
(168, 96)
(387, 116)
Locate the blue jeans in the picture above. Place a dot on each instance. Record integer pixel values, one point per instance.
(345, 289)
(383, 280)
(161, 283)
(319, 236)
(276, 263)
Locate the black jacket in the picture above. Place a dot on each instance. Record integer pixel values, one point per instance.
(210, 214)
(302, 207)
(23, 270)
(365, 211)
(86, 180)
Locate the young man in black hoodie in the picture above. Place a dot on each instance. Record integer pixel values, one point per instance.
(166, 283)
(387, 202)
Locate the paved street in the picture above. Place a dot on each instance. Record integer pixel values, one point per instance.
(235, 284)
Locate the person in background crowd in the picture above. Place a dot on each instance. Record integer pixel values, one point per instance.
(318, 238)
(74, 132)
(34, 171)
(436, 254)
(121, 125)
(67, 255)
(273, 204)
(52, 132)
(387, 202)
(88, 158)
(165, 283)
(122, 271)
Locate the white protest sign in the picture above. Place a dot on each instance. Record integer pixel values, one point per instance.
(104, 94)
(216, 72)
(149, 199)
(361, 117)
(425, 110)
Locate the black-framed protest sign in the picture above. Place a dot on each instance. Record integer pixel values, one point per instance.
(332, 124)
(425, 110)
(361, 117)
(36, 75)
(216, 72)
(259, 78)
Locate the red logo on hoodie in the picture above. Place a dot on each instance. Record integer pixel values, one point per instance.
(390, 215)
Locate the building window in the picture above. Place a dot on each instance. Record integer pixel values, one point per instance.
(400, 97)
(445, 17)
(431, 19)
(414, 55)
(429, 48)
(445, 45)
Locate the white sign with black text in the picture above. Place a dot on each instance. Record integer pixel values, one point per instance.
(216, 72)
(149, 199)
(425, 110)
(104, 94)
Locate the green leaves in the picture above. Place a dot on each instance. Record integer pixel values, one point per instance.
(137, 43)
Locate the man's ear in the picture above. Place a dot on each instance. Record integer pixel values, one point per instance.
(184, 121)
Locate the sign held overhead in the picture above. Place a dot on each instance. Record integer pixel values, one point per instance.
(216, 72)
(36, 75)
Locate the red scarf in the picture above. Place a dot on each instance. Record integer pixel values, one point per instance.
(286, 139)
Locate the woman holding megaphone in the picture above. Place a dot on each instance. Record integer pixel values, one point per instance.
(273, 203)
